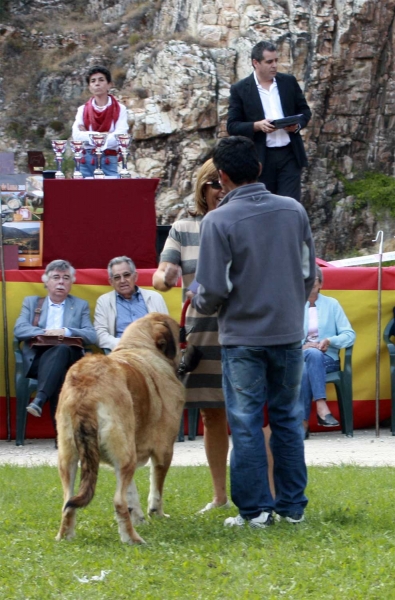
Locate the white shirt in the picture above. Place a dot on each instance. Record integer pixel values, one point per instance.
(272, 108)
(55, 316)
(121, 126)
(312, 334)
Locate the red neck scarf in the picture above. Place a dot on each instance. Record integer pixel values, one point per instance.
(101, 120)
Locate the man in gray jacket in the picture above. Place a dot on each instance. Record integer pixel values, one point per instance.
(58, 314)
(116, 310)
(256, 267)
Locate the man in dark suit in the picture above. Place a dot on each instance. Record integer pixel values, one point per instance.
(258, 99)
(59, 314)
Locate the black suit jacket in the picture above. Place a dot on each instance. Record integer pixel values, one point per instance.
(245, 107)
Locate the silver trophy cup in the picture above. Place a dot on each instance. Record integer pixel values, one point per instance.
(59, 146)
(123, 140)
(77, 147)
(98, 140)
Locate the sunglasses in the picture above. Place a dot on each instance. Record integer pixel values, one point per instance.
(214, 184)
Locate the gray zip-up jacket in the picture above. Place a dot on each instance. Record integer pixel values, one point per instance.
(256, 266)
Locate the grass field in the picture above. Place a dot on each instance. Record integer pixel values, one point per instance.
(345, 548)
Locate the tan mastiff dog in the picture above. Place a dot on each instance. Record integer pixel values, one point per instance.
(121, 409)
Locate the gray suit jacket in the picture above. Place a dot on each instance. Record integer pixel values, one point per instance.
(76, 318)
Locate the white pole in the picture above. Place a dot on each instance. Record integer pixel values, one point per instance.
(380, 235)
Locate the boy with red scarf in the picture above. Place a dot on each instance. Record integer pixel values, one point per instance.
(104, 114)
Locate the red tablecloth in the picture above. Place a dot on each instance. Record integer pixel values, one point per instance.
(89, 222)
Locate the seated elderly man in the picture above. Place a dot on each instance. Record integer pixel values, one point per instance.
(327, 330)
(127, 303)
(58, 314)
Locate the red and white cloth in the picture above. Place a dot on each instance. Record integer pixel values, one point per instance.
(112, 118)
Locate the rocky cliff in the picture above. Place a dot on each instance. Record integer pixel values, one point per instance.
(173, 63)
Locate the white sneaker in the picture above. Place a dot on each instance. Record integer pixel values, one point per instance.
(212, 505)
(234, 521)
(262, 521)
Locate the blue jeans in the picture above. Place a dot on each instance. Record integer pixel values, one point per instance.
(316, 365)
(109, 170)
(253, 376)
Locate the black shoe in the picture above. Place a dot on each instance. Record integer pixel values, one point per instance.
(328, 421)
(294, 519)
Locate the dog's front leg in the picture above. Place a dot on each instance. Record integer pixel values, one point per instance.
(134, 506)
(158, 472)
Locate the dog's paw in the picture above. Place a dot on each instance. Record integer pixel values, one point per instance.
(155, 512)
(139, 520)
(65, 536)
(137, 516)
(132, 542)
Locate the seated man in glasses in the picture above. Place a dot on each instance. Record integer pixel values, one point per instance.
(58, 314)
(117, 309)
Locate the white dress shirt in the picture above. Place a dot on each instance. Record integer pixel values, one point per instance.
(272, 108)
(55, 316)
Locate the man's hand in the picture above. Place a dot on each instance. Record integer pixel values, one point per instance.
(55, 332)
(264, 126)
(292, 128)
(82, 128)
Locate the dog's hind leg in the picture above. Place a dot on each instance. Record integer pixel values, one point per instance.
(67, 466)
(124, 477)
(134, 505)
(158, 472)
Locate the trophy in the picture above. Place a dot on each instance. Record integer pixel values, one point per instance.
(123, 140)
(59, 146)
(98, 140)
(77, 148)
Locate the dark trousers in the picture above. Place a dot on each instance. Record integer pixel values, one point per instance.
(49, 367)
(281, 172)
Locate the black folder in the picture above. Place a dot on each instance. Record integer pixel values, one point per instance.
(281, 123)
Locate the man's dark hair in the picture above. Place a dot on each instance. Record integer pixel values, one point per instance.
(259, 48)
(98, 69)
(237, 157)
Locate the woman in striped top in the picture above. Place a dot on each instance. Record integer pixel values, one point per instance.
(204, 384)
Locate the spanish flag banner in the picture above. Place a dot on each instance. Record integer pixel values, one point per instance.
(354, 287)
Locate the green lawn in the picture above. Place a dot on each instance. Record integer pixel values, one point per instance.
(345, 549)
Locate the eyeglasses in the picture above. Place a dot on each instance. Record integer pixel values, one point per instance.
(215, 184)
(117, 278)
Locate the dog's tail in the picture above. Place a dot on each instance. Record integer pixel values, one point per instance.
(86, 439)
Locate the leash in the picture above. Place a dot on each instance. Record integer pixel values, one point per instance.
(183, 339)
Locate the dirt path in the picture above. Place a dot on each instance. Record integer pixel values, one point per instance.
(321, 449)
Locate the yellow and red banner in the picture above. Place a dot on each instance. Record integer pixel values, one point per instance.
(356, 288)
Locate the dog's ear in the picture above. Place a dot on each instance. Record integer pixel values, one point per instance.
(164, 340)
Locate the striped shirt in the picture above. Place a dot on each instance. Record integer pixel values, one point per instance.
(204, 384)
